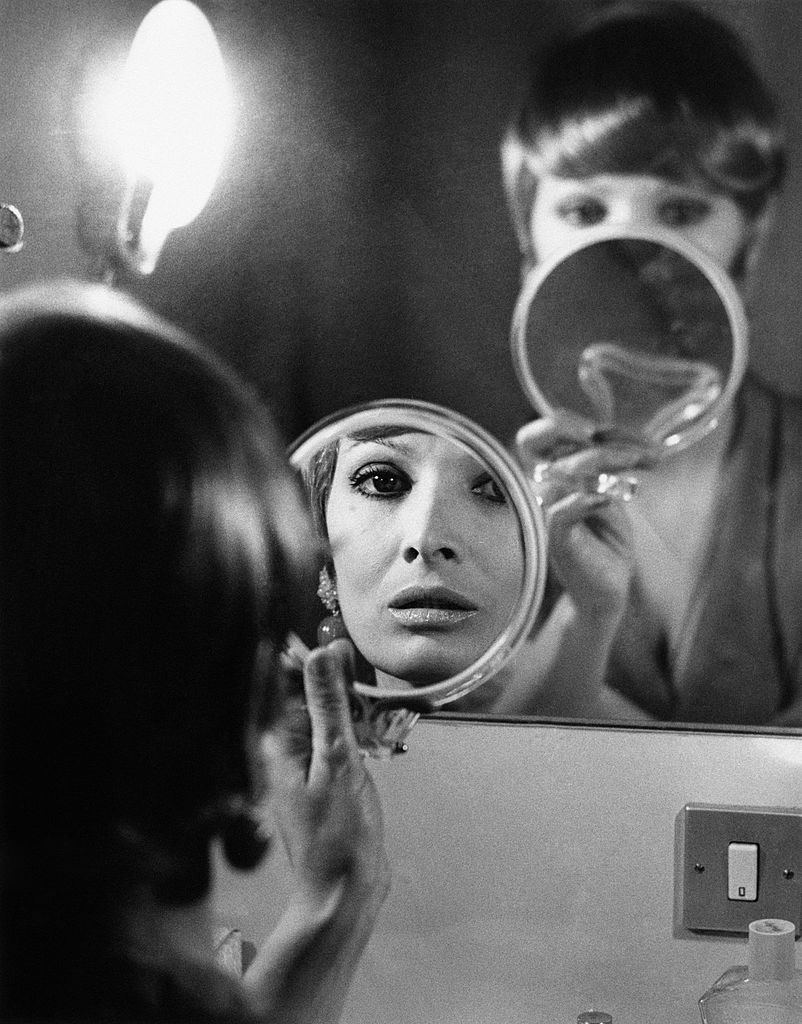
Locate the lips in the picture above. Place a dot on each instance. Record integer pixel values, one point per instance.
(430, 607)
(431, 597)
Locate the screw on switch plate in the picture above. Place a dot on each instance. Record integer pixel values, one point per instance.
(708, 896)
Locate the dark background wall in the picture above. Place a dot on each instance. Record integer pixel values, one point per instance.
(357, 244)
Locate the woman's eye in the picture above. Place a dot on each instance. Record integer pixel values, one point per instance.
(380, 481)
(582, 212)
(680, 212)
(487, 488)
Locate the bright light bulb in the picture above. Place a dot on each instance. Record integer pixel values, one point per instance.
(176, 93)
(169, 119)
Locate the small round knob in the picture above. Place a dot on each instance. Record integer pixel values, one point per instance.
(12, 228)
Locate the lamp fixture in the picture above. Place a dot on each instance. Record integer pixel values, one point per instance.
(165, 122)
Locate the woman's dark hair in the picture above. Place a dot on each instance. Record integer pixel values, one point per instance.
(318, 477)
(645, 88)
(151, 542)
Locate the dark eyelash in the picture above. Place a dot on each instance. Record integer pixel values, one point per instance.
(578, 206)
(487, 479)
(359, 477)
(365, 472)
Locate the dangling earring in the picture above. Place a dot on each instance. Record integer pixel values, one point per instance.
(332, 627)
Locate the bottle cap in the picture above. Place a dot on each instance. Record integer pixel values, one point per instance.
(594, 1017)
(771, 949)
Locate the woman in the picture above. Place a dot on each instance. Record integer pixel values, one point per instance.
(153, 551)
(425, 551)
(645, 113)
(652, 116)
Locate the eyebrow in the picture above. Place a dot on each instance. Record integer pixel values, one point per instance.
(387, 441)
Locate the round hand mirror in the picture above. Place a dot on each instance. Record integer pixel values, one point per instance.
(433, 554)
(639, 334)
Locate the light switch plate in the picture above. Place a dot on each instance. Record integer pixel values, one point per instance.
(703, 835)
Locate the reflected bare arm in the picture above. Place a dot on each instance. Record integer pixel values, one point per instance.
(560, 672)
(562, 668)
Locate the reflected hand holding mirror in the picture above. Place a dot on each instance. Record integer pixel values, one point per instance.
(433, 555)
(637, 337)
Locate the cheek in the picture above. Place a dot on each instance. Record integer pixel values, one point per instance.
(721, 238)
(502, 560)
(355, 578)
(346, 523)
(549, 232)
(510, 574)
(359, 548)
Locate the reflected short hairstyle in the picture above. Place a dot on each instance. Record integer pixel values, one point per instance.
(655, 88)
(318, 478)
(151, 542)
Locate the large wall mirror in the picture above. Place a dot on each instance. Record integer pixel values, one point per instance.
(358, 247)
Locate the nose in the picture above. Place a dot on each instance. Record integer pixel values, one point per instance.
(428, 531)
(633, 212)
(624, 216)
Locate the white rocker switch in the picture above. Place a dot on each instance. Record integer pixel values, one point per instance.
(742, 861)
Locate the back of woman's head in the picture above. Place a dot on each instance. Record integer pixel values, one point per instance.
(150, 541)
(657, 88)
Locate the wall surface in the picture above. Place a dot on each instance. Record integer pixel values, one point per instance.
(534, 873)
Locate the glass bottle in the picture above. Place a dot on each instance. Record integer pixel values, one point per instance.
(768, 990)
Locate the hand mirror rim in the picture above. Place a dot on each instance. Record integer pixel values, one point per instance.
(426, 416)
(718, 277)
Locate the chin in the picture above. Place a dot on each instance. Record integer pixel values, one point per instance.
(424, 669)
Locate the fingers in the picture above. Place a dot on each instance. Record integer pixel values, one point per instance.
(552, 437)
(587, 475)
(590, 551)
(574, 445)
(604, 517)
(315, 734)
(565, 453)
(287, 746)
(574, 507)
(327, 674)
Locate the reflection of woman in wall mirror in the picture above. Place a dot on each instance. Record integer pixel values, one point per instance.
(651, 117)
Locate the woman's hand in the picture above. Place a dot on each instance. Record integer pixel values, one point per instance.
(323, 800)
(326, 808)
(590, 536)
(561, 670)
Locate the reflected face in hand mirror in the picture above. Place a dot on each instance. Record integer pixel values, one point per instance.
(434, 544)
(427, 553)
(639, 335)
